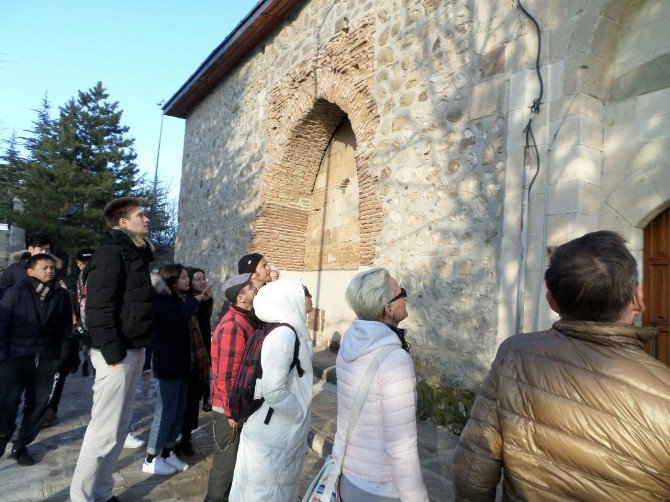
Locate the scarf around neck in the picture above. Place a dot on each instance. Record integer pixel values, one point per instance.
(41, 288)
(200, 362)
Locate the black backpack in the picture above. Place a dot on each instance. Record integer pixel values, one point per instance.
(241, 396)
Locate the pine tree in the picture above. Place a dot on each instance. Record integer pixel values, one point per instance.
(11, 174)
(76, 163)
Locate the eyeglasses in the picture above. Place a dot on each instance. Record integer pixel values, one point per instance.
(402, 294)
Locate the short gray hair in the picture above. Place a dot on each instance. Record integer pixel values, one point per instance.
(368, 293)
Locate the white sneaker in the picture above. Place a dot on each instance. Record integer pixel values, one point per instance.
(132, 442)
(174, 461)
(158, 466)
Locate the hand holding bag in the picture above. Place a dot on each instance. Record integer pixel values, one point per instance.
(324, 488)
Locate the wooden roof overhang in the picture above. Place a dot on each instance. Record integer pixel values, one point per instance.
(246, 35)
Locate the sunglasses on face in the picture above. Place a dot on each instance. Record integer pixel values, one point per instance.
(402, 294)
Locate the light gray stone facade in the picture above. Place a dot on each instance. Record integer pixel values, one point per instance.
(438, 97)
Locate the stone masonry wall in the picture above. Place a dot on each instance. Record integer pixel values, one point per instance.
(424, 84)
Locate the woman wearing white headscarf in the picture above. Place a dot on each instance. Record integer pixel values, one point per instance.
(270, 455)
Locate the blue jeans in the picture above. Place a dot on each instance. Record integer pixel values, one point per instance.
(168, 414)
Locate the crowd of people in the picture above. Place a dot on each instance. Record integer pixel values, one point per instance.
(579, 411)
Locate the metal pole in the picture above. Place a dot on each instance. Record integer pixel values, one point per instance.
(158, 154)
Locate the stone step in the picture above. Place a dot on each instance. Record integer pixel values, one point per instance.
(323, 363)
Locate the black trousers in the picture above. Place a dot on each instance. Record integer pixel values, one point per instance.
(35, 376)
(223, 461)
(59, 383)
(193, 395)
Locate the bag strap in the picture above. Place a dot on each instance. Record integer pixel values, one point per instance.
(332, 478)
(294, 362)
(362, 394)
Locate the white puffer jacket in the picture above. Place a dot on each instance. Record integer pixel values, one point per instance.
(270, 456)
(383, 445)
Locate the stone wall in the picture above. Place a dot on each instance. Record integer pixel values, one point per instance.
(438, 95)
(424, 95)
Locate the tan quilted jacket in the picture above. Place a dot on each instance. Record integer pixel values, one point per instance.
(578, 412)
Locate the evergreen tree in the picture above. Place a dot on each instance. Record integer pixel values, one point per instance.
(76, 163)
(11, 174)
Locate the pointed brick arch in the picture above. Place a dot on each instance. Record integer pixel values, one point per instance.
(305, 108)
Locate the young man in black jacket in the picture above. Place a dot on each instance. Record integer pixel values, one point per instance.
(35, 333)
(16, 272)
(119, 317)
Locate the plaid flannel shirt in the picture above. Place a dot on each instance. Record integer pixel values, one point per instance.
(228, 342)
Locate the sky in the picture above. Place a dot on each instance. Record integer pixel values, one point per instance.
(141, 50)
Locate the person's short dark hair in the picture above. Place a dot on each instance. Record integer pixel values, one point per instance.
(32, 261)
(592, 278)
(38, 239)
(170, 273)
(120, 208)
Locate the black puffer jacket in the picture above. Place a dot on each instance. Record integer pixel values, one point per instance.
(119, 303)
(29, 327)
(170, 340)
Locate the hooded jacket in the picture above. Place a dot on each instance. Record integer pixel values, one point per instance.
(30, 327)
(578, 412)
(170, 338)
(382, 450)
(119, 301)
(16, 272)
(269, 459)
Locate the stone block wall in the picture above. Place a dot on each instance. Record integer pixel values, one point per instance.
(437, 93)
(424, 90)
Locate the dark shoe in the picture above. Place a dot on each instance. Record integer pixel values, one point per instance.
(206, 407)
(50, 418)
(114, 499)
(146, 368)
(84, 370)
(3, 444)
(186, 448)
(22, 456)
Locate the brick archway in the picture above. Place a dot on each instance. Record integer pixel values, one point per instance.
(305, 108)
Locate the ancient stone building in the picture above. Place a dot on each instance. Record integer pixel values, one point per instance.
(336, 135)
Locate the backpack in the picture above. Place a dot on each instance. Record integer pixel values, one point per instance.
(241, 396)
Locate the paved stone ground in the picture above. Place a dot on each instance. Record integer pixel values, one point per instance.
(56, 450)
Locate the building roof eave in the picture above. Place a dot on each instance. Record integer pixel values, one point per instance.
(244, 38)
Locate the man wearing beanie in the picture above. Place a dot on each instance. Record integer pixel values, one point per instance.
(256, 265)
(228, 342)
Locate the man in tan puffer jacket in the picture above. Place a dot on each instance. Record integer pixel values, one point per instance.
(580, 411)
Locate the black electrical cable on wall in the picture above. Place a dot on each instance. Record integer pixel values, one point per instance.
(535, 107)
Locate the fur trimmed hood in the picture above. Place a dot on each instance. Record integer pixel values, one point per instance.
(25, 254)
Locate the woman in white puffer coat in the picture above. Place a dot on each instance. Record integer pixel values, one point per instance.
(269, 459)
(381, 462)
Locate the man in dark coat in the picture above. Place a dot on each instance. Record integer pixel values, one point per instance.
(35, 331)
(16, 272)
(71, 362)
(119, 317)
